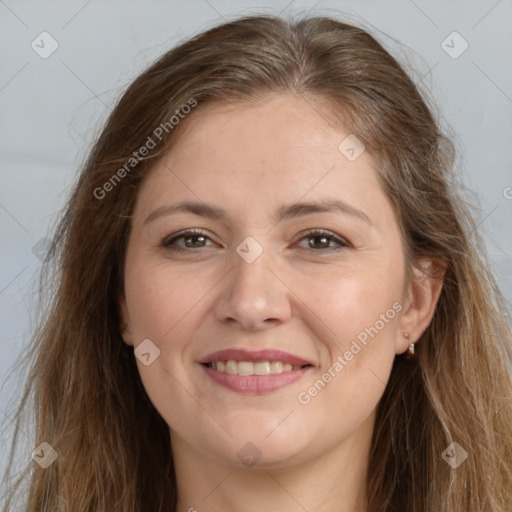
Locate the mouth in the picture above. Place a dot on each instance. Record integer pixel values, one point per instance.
(254, 372)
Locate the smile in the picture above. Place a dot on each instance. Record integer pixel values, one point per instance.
(254, 372)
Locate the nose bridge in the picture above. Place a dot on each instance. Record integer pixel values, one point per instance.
(252, 295)
(252, 269)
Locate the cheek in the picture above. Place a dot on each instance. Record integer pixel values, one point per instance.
(350, 302)
(165, 307)
(360, 315)
(160, 298)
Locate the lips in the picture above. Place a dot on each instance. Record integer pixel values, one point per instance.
(229, 369)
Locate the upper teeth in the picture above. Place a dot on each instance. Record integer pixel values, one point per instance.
(250, 368)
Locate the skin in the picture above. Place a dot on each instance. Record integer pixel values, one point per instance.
(296, 296)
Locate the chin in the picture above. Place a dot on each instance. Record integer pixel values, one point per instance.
(255, 449)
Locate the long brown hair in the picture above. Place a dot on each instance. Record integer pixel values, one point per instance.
(83, 387)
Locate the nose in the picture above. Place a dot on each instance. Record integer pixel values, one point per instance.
(253, 296)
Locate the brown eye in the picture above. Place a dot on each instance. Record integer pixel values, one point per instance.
(323, 240)
(192, 239)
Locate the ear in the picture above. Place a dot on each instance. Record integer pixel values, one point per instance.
(125, 320)
(420, 301)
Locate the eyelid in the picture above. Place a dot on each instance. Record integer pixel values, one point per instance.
(182, 234)
(342, 242)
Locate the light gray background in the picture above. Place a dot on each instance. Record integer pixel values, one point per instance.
(51, 108)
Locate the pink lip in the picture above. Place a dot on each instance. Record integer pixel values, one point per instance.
(255, 383)
(254, 356)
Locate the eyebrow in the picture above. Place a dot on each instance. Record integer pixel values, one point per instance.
(285, 212)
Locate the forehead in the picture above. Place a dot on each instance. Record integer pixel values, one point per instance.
(271, 125)
(279, 149)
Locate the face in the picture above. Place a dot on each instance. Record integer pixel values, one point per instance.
(310, 298)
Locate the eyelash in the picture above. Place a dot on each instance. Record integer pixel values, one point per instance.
(167, 243)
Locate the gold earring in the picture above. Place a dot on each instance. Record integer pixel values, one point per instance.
(410, 350)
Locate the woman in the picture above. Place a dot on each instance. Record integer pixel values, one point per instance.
(270, 295)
